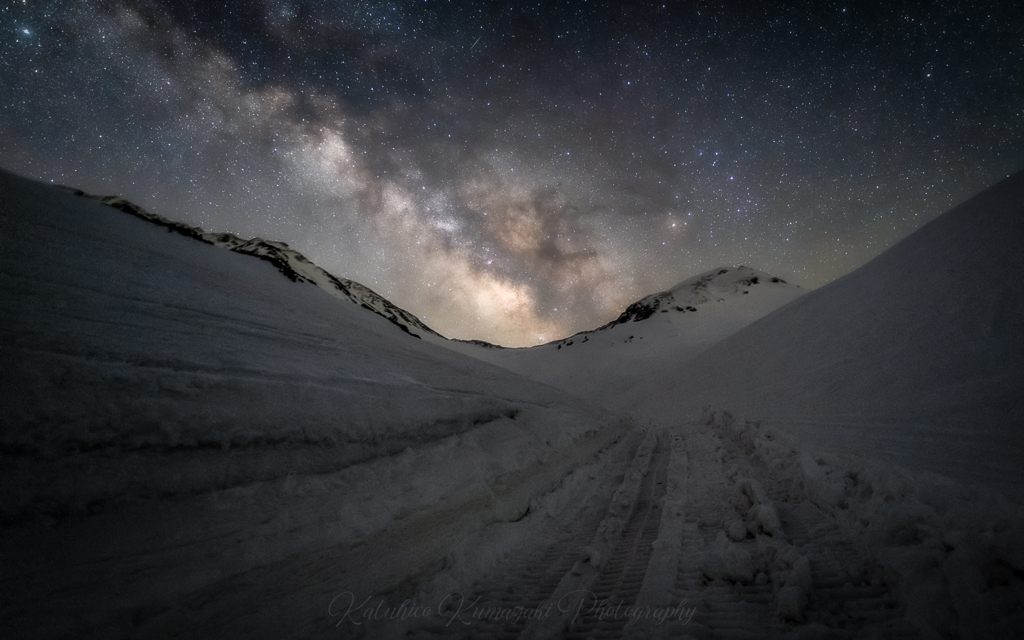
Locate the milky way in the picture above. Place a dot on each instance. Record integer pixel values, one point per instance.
(517, 173)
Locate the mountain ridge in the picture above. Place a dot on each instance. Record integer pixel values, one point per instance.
(701, 288)
(664, 329)
(700, 293)
(291, 263)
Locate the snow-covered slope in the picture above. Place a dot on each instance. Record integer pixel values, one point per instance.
(917, 357)
(289, 262)
(716, 285)
(174, 414)
(668, 337)
(192, 445)
(656, 333)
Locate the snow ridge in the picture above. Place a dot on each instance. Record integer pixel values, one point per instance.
(717, 285)
(288, 261)
(657, 332)
(713, 286)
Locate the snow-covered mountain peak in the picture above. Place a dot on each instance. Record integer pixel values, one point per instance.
(716, 285)
(660, 330)
(725, 281)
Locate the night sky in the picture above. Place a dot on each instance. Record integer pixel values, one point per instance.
(517, 173)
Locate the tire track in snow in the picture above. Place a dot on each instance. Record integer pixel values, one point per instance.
(722, 609)
(621, 579)
(653, 603)
(531, 581)
(662, 542)
(609, 551)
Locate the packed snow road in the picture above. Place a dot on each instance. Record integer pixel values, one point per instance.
(707, 529)
(679, 532)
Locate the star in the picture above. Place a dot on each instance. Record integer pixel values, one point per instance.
(365, 136)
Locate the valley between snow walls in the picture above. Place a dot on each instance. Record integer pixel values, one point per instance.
(197, 443)
(175, 414)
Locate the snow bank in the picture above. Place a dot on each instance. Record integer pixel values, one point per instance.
(176, 415)
(916, 358)
(956, 551)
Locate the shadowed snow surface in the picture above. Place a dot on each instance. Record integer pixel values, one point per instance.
(189, 410)
(918, 356)
(206, 436)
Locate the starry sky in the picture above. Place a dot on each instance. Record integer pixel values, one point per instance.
(517, 172)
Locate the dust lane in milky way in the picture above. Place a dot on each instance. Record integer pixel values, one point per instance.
(519, 173)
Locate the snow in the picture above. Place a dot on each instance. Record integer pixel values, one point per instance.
(291, 263)
(189, 410)
(661, 330)
(915, 358)
(915, 530)
(208, 436)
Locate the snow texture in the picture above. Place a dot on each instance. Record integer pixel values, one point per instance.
(206, 436)
(663, 329)
(192, 412)
(916, 358)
